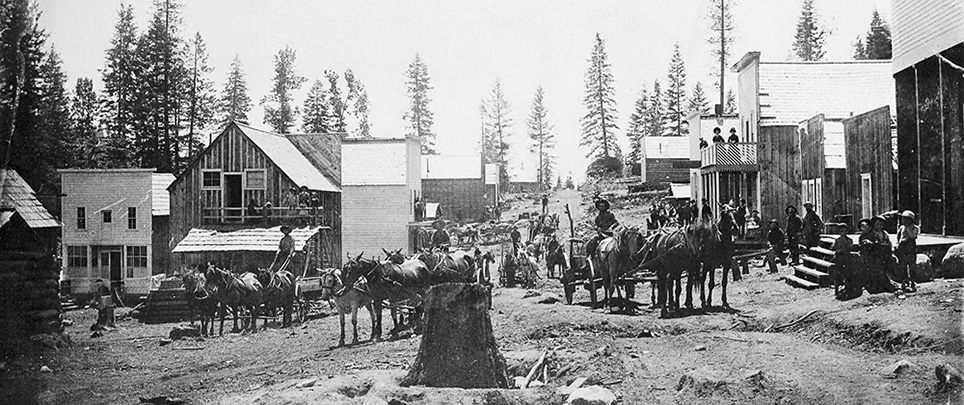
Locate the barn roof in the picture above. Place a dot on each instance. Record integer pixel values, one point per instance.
(18, 195)
(451, 166)
(667, 147)
(160, 198)
(289, 159)
(791, 92)
(244, 240)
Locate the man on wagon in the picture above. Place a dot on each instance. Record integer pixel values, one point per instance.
(605, 221)
(440, 239)
(285, 249)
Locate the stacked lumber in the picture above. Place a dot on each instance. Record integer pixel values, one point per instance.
(166, 306)
(29, 296)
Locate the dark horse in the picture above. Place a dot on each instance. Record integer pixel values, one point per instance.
(614, 257)
(387, 281)
(243, 291)
(201, 299)
(716, 253)
(555, 258)
(670, 255)
(280, 291)
(456, 267)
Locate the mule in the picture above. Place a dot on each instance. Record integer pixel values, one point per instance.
(347, 299)
(281, 291)
(201, 299)
(673, 253)
(239, 292)
(614, 257)
(395, 283)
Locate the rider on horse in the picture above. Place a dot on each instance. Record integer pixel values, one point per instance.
(605, 221)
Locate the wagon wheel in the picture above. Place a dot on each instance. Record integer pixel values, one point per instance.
(569, 289)
(302, 305)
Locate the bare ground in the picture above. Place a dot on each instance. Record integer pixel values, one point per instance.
(747, 355)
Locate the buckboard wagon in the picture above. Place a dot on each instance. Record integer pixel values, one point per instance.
(581, 272)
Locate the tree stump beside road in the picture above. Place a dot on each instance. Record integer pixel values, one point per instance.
(458, 348)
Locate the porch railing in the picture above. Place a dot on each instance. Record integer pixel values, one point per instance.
(265, 217)
(729, 154)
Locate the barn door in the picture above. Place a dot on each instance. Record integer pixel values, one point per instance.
(866, 196)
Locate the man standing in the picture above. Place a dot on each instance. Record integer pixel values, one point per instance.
(775, 239)
(741, 218)
(545, 203)
(440, 239)
(706, 213)
(794, 227)
(812, 226)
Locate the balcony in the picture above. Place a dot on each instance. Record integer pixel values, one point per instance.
(263, 217)
(735, 157)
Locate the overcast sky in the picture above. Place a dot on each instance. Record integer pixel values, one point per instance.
(466, 45)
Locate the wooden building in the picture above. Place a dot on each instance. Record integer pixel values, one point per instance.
(253, 248)
(928, 45)
(456, 183)
(524, 174)
(381, 182)
(665, 159)
(116, 228)
(870, 162)
(776, 101)
(824, 168)
(248, 178)
(17, 196)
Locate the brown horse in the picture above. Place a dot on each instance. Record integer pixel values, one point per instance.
(387, 281)
(281, 292)
(456, 267)
(716, 253)
(555, 258)
(615, 257)
(347, 299)
(239, 292)
(676, 252)
(201, 299)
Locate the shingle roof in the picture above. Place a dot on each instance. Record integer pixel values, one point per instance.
(791, 92)
(451, 166)
(374, 163)
(245, 240)
(667, 147)
(160, 198)
(289, 159)
(17, 194)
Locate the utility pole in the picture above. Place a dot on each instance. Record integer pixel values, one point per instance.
(722, 53)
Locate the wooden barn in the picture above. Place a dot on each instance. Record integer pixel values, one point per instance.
(29, 275)
(665, 159)
(776, 101)
(381, 182)
(248, 178)
(456, 183)
(119, 234)
(928, 45)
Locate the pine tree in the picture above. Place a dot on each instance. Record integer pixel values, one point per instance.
(357, 100)
(418, 115)
(860, 51)
(278, 111)
(118, 100)
(697, 102)
(336, 106)
(316, 110)
(235, 103)
(199, 98)
(810, 37)
(637, 132)
(878, 44)
(83, 117)
(675, 95)
(54, 119)
(721, 18)
(655, 114)
(730, 107)
(543, 141)
(496, 123)
(599, 124)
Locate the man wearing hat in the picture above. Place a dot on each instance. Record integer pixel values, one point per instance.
(734, 138)
(794, 227)
(440, 239)
(907, 248)
(812, 226)
(775, 239)
(605, 221)
(706, 213)
(285, 249)
(717, 137)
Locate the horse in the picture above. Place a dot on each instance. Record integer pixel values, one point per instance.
(614, 257)
(456, 267)
(244, 291)
(347, 299)
(673, 253)
(388, 281)
(555, 256)
(201, 300)
(482, 261)
(394, 256)
(281, 291)
(716, 253)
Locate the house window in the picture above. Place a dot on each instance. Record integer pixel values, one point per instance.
(131, 217)
(136, 259)
(76, 256)
(81, 218)
(254, 179)
(211, 179)
(107, 216)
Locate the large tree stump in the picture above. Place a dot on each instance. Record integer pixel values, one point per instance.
(458, 349)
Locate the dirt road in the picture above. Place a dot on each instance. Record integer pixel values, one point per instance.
(753, 354)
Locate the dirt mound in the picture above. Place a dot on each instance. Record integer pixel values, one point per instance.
(615, 330)
(707, 385)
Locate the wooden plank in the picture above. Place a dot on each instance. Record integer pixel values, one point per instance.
(799, 282)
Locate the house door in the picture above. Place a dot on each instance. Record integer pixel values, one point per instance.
(110, 263)
(866, 196)
(232, 191)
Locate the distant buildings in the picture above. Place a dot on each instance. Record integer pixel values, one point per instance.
(456, 183)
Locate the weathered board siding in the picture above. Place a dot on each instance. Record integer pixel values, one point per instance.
(232, 152)
(813, 162)
(869, 150)
(778, 150)
(812, 158)
(930, 150)
(922, 27)
(461, 199)
(664, 170)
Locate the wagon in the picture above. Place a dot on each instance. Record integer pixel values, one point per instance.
(581, 272)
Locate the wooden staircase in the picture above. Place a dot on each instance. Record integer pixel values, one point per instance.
(814, 270)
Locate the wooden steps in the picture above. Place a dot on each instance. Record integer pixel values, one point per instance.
(809, 274)
(814, 270)
(819, 251)
(799, 282)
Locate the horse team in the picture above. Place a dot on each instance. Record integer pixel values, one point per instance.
(397, 282)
